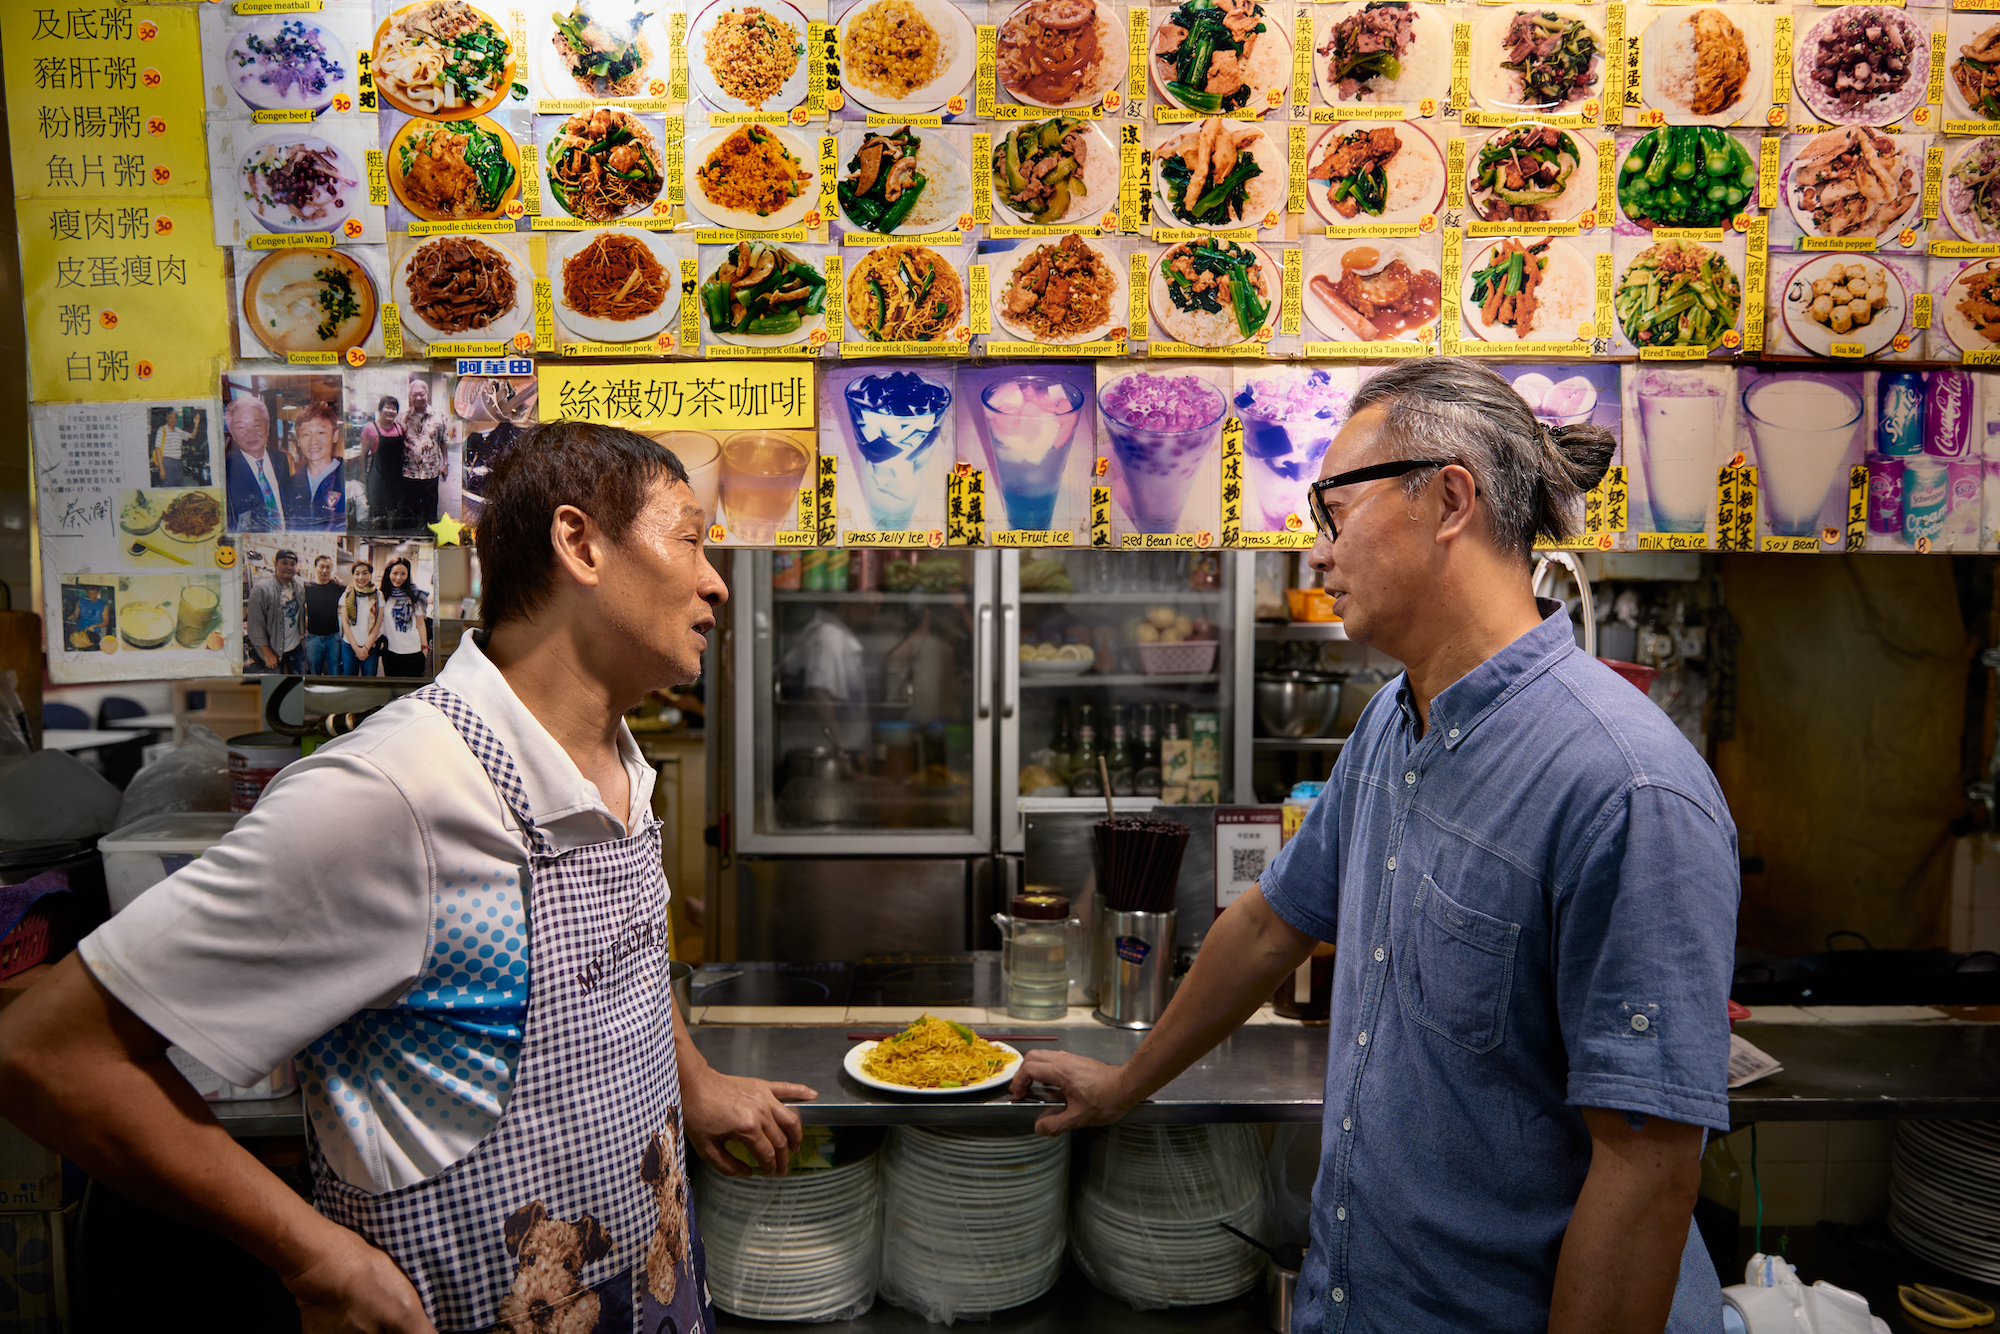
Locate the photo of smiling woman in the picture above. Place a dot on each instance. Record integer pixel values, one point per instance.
(406, 627)
(318, 502)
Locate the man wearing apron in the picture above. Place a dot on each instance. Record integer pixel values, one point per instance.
(470, 948)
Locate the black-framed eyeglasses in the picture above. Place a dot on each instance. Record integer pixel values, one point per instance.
(1316, 492)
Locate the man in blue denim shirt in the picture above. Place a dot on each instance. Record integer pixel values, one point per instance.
(1532, 880)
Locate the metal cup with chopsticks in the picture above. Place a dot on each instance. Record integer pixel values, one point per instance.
(1138, 870)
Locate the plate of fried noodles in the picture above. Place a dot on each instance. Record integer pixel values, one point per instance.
(933, 1056)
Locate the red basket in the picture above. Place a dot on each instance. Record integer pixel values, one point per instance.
(27, 944)
(1642, 677)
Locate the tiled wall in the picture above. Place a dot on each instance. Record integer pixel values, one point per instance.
(1975, 894)
(1836, 1171)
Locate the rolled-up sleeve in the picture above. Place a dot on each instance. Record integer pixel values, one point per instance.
(1645, 943)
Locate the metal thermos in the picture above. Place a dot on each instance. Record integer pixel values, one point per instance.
(1135, 961)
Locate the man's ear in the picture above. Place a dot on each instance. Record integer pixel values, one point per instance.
(1457, 495)
(578, 544)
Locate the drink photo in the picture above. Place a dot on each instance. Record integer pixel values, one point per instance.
(1289, 416)
(1033, 433)
(896, 445)
(1803, 430)
(762, 472)
(1165, 431)
(1683, 422)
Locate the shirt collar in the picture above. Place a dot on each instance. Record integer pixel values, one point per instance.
(1470, 700)
(556, 791)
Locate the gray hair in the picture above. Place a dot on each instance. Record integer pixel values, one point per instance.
(1531, 476)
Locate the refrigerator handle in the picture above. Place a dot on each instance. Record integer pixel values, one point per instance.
(982, 652)
(1010, 662)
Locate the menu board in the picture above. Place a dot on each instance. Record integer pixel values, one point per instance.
(995, 259)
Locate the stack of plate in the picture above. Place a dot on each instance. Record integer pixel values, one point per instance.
(1944, 1194)
(1148, 1224)
(798, 1247)
(973, 1219)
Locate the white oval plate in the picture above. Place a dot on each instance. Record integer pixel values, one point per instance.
(1883, 108)
(1416, 141)
(933, 95)
(1078, 209)
(1956, 327)
(555, 76)
(1157, 293)
(853, 1067)
(1275, 28)
(1756, 84)
(596, 329)
(504, 326)
(1489, 93)
(1115, 315)
(798, 335)
(1578, 195)
(357, 194)
(655, 128)
(1322, 314)
(1426, 71)
(1476, 326)
(1818, 338)
(1277, 156)
(1803, 215)
(788, 216)
(1114, 73)
(787, 97)
(955, 189)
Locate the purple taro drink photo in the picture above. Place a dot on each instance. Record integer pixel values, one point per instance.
(1289, 418)
(1030, 422)
(897, 418)
(1162, 429)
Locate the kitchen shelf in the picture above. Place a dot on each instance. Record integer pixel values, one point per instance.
(1175, 595)
(1118, 679)
(1267, 631)
(862, 595)
(1297, 743)
(1073, 805)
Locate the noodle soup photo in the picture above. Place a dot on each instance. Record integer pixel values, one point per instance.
(600, 165)
(468, 169)
(445, 59)
(617, 285)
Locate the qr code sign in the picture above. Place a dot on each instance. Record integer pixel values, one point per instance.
(1246, 863)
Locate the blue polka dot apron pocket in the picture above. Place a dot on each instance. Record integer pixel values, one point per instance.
(573, 1213)
(1456, 970)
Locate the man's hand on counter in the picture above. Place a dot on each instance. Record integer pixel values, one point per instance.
(1094, 1093)
(719, 1108)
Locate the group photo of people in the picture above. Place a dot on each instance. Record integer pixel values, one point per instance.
(283, 457)
(326, 606)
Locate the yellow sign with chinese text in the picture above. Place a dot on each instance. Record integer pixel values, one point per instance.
(104, 101)
(748, 395)
(124, 299)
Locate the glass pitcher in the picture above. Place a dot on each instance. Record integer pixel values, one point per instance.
(1034, 955)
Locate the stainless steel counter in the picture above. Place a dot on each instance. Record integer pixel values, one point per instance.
(1265, 1072)
(1275, 1072)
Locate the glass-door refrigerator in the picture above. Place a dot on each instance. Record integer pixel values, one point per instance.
(1150, 642)
(861, 780)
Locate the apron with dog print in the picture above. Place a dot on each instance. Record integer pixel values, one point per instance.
(572, 1214)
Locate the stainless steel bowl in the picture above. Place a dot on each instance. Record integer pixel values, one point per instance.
(1294, 704)
(681, 978)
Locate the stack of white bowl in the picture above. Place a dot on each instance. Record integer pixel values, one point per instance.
(797, 1247)
(1149, 1214)
(1944, 1194)
(972, 1219)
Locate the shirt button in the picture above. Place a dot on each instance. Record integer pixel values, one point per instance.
(1363, 1039)
(1452, 733)
(1379, 955)
(1392, 863)
(1410, 777)
(1341, 1213)
(1347, 1123)
(1640, 1023)
(1339, 1295)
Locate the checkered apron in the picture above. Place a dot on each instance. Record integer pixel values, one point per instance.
(572, 1214)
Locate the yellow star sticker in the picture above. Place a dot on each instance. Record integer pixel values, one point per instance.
(449, 531)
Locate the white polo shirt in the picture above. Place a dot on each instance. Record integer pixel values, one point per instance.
(331, 917)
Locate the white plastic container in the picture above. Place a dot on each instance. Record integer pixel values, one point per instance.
(146, 852)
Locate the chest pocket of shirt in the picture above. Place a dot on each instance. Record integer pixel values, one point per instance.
(1457, 969)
